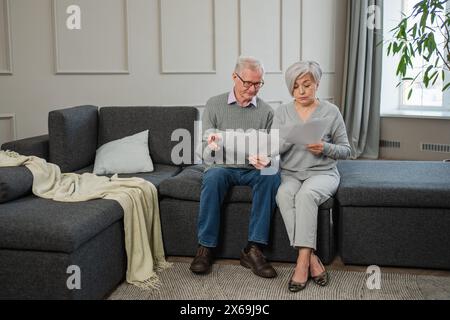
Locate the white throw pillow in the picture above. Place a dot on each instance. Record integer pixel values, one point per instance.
(126, 155)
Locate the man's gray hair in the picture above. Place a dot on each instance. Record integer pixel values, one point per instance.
(299, 69)
(247, 62)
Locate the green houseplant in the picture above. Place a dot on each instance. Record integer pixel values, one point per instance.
(424, 33)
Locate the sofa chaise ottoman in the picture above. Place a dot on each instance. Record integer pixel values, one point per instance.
(395, 213)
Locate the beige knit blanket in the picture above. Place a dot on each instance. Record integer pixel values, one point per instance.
(138, 198)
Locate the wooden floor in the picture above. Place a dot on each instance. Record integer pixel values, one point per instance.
(336, 265)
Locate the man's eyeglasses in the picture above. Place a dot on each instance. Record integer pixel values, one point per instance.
(248, 84)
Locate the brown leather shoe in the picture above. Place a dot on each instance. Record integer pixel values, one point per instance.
(202, 261)
(256, 261)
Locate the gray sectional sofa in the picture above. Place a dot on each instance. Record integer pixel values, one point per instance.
(388, 213)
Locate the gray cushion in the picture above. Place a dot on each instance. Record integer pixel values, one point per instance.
(188, 184)
(33, 223)
(394, 184)
(161, 173)
(88, 169)
(73, 137)
(15, 182)
(119, 122)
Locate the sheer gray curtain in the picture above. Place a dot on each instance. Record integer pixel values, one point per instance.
(362, 77)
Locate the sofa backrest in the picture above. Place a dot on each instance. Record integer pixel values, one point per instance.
(73, 137)
(119, 122)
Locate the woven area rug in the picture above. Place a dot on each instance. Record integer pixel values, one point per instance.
(231, 282)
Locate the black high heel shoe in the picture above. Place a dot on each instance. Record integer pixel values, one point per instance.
(297, 286)
(323, 278)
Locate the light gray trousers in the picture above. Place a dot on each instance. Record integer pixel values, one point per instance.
(299, 202)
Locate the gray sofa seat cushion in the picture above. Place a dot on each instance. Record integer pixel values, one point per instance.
(188, 184)
(33, 223)
(119, 122)
(160, 173)
(73, 137)
(394, 184)
(15, 182)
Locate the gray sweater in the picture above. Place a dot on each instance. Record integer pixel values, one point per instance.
(220, 116)
(296, 160)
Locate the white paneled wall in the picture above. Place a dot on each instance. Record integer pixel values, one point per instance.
(157, 52)
(5, 38)
(318, 28)
(260, 32)
(101, 46)
(189, 29)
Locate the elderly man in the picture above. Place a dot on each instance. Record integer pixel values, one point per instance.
(239, 109)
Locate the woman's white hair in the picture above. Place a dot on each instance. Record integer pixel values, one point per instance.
(248, 62)
(299, 69)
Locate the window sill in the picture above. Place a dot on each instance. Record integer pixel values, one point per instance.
(416, 114)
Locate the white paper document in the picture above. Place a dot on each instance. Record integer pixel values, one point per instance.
(250, 143)
(307, 133)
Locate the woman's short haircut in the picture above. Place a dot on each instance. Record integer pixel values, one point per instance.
(247, 62)
(299, 69)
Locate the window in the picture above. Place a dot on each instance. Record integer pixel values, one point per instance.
(422, 97)
(429, 101)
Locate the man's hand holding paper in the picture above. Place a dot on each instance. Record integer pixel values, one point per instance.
(215, 141)
(254, 145)
(259, 161)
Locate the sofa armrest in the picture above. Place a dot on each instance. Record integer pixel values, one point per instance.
(35, 146)
(15, 182)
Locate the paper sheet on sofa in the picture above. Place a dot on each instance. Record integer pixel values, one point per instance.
(306, 133)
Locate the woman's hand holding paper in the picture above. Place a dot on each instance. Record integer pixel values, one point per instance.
(316, 148)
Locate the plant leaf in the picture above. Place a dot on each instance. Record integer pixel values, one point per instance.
(410, 93)
(434, 77)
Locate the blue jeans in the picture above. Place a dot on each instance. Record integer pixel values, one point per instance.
(216, 183)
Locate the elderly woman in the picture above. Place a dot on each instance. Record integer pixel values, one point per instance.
(309, 173)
